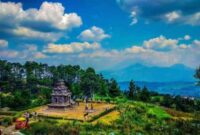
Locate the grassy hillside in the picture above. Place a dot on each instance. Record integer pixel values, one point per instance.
(128, 118)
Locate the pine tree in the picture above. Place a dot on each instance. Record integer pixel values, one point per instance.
(131, 89)
(114, 89)
(197, 75)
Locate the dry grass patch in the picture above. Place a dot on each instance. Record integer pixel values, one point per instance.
(179, 115)
(108, 118)
(76, 112)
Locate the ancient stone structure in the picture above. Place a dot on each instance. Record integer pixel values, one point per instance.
(61, 96)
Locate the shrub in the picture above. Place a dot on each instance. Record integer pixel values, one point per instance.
(149, 115)
(6, 121)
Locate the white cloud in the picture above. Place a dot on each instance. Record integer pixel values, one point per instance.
(47, 23)
(27, 52)
(158, 51)
(183, 46)
(161, 44)
(3, 43)
(193, 19)
(187, 37)
(53, 14)
(26, 33)
(49, 13)
(171, 11)
(196, 44)
(8, 53)
(74, 47)
(93, 34)
(31, 47)
(135, 49)
(39, 55)
(172, 16)
(133, 17)
(31, 52)
(166, 53)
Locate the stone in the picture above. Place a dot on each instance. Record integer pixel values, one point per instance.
(61, 97)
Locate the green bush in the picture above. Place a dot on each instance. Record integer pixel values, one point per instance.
(6, 121)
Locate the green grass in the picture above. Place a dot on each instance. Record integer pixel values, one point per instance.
(158, 112)
(134, 118)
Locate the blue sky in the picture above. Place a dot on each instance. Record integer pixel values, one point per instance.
(103, 34)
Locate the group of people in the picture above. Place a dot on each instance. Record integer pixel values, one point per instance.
(87, 110)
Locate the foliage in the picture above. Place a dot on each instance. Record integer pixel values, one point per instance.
(133, 118)
(29, 85)
(114, 90)
(6, 121)
(197, 75)
(132, 89)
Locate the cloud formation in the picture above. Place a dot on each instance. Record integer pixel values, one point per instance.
(158, 51)
(27, 52)
(3, 43)
(170, 11)
(47, 22)
(8, 53)
(93, 34)
(161, 44)
(74, 47)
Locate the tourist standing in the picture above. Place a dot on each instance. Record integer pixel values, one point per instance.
(34, 114)
(27, 116)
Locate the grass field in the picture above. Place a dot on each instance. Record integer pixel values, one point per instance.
(108, 119)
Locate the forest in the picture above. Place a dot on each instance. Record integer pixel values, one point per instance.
(30, 84)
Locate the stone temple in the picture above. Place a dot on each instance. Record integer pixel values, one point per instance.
(61, 97)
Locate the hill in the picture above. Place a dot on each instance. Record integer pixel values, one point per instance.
(140, 72)
(189, 89)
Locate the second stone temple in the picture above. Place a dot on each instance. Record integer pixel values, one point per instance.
(61, 96)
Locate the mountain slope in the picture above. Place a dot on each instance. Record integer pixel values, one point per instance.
(140, 72)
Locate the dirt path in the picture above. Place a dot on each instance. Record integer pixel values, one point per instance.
(10, 130)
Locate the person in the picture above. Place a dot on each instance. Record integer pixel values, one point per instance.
(34, 115)
(27, 116)
(92, 106)
(85, 115)
(86, 107)
(78, 103)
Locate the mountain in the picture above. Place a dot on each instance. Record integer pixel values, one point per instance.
(189, 89)
(140, 72)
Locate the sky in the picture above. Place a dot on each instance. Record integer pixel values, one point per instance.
(104, 34)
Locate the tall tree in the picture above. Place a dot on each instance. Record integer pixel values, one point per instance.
(132, 89)
(197, 75)
(114, 88)
(145, 95)
(89, 82)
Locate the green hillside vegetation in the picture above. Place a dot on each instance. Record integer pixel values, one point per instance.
(133, 118)
(138, 110)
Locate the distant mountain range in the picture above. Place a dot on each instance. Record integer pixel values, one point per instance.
(189, 89)
(138, 72)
